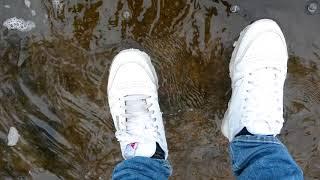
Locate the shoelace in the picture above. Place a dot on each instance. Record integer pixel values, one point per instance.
(263, 97)
(140, 123)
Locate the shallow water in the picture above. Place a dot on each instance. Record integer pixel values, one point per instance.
(53, 82)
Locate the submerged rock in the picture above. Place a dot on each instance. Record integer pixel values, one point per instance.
(13, 136)
(312, 7)
(234, 8)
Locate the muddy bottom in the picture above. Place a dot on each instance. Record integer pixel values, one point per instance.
(53, 82)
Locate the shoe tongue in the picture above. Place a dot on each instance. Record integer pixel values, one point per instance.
(139, 149)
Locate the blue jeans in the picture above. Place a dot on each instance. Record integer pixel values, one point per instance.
(252, 157)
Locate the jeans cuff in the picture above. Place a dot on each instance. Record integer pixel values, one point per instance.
(257, 138)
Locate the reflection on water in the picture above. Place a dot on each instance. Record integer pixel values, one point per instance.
(53, 82)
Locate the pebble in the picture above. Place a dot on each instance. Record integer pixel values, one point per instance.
(13, 136)
(234, 8)
(312, 7)
(7, 6)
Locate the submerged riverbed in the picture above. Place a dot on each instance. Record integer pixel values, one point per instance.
(53, 81)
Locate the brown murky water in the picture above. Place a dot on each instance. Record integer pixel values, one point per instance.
(53, 82)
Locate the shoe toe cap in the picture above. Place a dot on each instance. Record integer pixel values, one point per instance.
(132, 67)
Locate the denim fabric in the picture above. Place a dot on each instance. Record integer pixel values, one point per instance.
(262, 157)
(253, 157)
(142, 168)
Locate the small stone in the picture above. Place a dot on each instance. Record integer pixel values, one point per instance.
(13, 136)
(234, 8)
(7, 6)
(312, 7)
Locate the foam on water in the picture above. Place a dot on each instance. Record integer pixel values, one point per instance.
(19, 24)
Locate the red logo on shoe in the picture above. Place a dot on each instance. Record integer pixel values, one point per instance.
(134, 145)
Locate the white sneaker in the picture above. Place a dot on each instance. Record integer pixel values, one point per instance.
(258, 69)
(133, 102)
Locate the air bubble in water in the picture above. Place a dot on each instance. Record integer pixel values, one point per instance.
(234, 8)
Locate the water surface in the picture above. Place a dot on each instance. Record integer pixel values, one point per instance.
(53, 82)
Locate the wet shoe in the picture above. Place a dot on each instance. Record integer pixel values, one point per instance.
(258, 69)
(133, 102)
